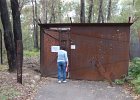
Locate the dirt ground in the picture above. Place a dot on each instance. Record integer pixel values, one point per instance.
(35, 87)
(11, 90)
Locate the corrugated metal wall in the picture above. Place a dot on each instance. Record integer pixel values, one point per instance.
(108, 42)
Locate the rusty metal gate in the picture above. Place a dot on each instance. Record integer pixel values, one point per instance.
(109, 42)
(53, 37)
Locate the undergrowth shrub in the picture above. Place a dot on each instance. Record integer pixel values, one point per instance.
(134, 73)
(134, 68)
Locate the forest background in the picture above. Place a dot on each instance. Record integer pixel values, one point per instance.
(81, 11)
(19, 21)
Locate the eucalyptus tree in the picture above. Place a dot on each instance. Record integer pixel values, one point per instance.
(44, 11)
(100, 13)
(109, 10)
(91, 13)
(53, 15)
(22, 3)
(8, 36)
(16, 21)
(18, 38)
(82, 15)
(35, 24)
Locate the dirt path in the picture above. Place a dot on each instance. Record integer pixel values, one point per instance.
(80, 90)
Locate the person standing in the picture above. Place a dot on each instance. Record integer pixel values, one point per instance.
(62, 63)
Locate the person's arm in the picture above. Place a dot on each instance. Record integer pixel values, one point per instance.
(66, 57)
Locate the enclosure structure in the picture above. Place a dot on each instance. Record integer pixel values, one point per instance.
(109, 42)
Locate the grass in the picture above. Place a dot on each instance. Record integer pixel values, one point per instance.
(31, 53)
(119, 81)
(3, 67)
(7, 93)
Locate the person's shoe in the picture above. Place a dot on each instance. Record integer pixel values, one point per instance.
(59, 81)
(64, 81)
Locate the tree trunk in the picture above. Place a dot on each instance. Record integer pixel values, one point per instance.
(46, 11)
(82, 15)
(35, 27)
(16, 21)
(8, 36)
(133, 2)
(109, 10)
(17, 37)
(21, 4)
(60, 13)
(52, 18)
(33, 11)
(90, 11)
(1, 60)
(43, 11)
(100, 15)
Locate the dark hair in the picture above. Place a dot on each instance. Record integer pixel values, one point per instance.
(62, 47)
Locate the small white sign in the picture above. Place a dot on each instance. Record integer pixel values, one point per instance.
(55, 48)
(73, 46)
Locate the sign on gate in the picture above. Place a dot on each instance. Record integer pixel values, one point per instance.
(55, 48)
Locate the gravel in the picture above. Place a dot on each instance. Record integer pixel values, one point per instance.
(80, 90)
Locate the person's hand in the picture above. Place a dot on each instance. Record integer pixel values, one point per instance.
(67, 68)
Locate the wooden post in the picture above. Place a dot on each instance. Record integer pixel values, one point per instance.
(19, 60)
(1, 46)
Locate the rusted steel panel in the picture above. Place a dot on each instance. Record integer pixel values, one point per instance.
(49, 65)
(64, 39)
(52, 37)
(109, 43)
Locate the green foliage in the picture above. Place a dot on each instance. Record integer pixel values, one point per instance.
(31, 53)
(3, 68)
(134, 73)
(121, 10)
(119, 81)
(136, 83)
(137, 89)
(27, 29)
(134, 68)
(8, 93)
